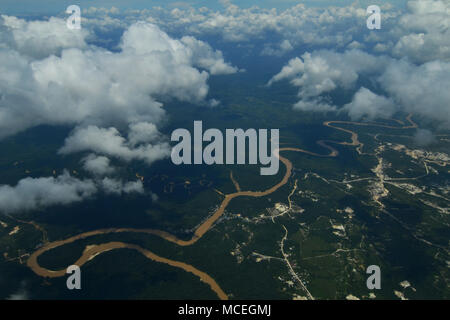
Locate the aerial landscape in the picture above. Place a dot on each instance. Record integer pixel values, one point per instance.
(225, 150)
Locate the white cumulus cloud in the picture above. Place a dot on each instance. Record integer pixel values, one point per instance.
(420, 89)
(50, 75)
(367, 104)
(97, 165)
(109, 141)
(33, 193)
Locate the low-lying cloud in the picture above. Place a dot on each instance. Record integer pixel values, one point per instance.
(420, 89)
(109, 142)
(33, 193)
(40, 193)
(424, 137)
(50, 75)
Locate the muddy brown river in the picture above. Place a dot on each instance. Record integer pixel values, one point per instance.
(93, 251)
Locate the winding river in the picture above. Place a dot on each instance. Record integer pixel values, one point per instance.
(92, 251)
